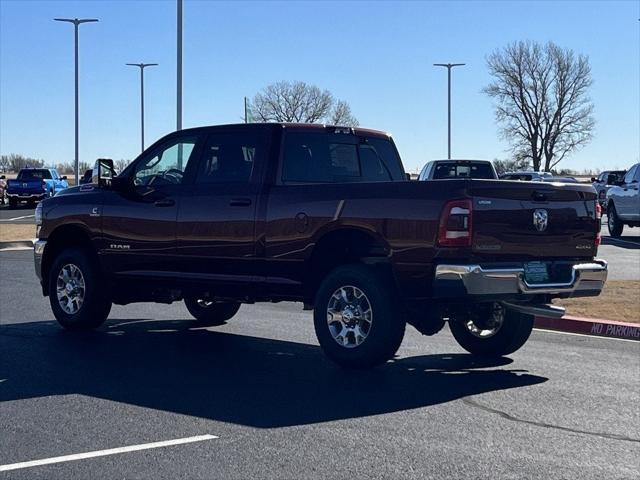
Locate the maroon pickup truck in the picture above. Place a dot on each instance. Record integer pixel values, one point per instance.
(224, 215)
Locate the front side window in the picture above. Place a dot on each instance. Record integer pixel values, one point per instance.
(166, 166)
(628, 178)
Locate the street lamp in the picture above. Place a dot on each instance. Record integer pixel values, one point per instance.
(179, 66)
(76, 22)
(449, 66)
(142, 66)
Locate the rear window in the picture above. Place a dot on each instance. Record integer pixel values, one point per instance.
(462, 170)
(517, 176)
(337, 158)
(34, 175)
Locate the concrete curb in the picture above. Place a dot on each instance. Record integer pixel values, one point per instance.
(590, 326)
(16, 245)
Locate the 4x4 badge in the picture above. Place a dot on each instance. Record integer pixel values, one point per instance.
(540, 219)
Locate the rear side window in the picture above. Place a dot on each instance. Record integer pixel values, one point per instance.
(322, 158)
(230, 157)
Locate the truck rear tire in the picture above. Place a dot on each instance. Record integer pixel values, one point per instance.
(508, 336)
(358, 320)
(614, 224)
(76, 291)
(211, 313)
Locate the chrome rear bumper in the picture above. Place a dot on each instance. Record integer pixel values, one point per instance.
(587, 279)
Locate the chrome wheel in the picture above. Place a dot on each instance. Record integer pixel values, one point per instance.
(489, 327)
(204, 303)
(349, 316)
(70, 289)
(611, 220)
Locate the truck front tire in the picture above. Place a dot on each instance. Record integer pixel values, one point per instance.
(211, 313)
(76, 292)
(358, 322)
(495, 340)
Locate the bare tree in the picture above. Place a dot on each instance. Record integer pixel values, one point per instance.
(542, 101)
(341, 115)
(121, 164)
(515, 165)
(299, 102)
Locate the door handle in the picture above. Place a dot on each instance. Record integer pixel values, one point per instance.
(165, 202)
(240, 202)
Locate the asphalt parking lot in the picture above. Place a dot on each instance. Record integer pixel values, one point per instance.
(23, 214)
(269, 405)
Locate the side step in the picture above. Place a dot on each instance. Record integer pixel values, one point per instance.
(537, 310)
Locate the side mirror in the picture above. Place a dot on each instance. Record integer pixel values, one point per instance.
(408, 176)
(594, 179)
(2, 177)
(64, 177)
(103, 172)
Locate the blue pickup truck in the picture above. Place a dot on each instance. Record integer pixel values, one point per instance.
(34, 184)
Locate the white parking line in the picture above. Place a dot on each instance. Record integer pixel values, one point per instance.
(102, 453)
(16, 218)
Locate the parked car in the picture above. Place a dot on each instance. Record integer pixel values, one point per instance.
(3, 189)
(219, 216)
(623, 202)
(448, 169)
(34, 184)
(86, 178)
(603, 182)
(526, 176)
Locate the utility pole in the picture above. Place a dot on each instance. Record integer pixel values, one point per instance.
(448, 66)
(142, 66)
(179, 68)
(76, 23)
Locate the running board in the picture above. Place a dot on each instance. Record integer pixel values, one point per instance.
(537, 310)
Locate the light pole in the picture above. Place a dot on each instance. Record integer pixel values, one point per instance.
(449, 66)
(76, 22)
(179, 67)
(142, 66)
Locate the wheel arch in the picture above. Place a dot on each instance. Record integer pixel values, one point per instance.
(340, 246)
(62, 237)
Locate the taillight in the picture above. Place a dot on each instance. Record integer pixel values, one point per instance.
(455, 224)
(598, 222)
(44, 185)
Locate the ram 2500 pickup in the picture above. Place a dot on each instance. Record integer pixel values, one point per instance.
(224, 215)
(34, 184)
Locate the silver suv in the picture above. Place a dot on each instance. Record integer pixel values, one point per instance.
(623, 202)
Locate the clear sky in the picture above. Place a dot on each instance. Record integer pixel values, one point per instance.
(377, 56)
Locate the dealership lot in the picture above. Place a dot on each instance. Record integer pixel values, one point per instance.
(563, 406)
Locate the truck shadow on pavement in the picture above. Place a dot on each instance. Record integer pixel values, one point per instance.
(631, 243)
(263, 383)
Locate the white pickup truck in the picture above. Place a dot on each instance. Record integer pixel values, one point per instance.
(623, 202)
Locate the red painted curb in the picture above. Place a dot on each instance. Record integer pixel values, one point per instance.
(590, 326)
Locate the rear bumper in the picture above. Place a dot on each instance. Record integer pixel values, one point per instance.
(587, 279)
(27, 196)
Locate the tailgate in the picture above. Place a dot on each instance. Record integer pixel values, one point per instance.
(25, 186)
(532, 219)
